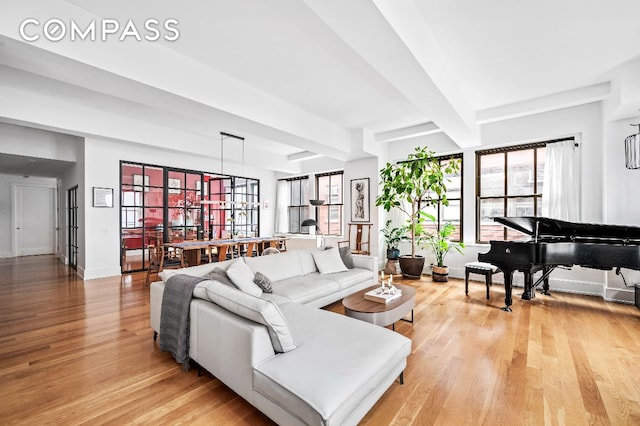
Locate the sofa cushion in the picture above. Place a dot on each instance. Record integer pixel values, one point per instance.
(242, 277)
(277, 266)
(350, 277)
(329, 261)
(305, 258)
(331, 372)
(218, 274)
(255, 309)
(345, 255)
(305, 289)
(262, 281)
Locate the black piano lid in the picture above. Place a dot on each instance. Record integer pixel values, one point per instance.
(550, 228)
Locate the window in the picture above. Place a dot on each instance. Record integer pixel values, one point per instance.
(452, 212)
(329, 215)
(509, 183)
(298, 209)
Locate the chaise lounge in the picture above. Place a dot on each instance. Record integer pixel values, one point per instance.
(295, 363)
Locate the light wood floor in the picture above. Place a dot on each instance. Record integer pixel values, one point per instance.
(74, 352)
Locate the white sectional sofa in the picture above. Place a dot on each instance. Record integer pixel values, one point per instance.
(337, 368)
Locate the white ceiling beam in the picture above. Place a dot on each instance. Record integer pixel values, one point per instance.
(392, 38)
(154, 65)
(303, 155)
(566, 99)
(408, 132)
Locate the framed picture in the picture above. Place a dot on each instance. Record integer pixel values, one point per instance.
(360, 200)
(102, 197)
(174, 186)
(138, 183)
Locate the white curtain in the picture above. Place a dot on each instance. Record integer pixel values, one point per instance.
(561, 187)
(282, 207)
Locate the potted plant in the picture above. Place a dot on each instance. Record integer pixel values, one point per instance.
(439, 241)
(392, 237)
(410, 186)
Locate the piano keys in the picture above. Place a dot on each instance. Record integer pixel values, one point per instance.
(556, 243)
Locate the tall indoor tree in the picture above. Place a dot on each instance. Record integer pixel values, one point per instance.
(411, 185)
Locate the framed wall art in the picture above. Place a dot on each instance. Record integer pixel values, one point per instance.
(174, 186)
(360, 208)
(102, 197)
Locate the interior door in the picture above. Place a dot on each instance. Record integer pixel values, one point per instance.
(34, 220)
(72, 220)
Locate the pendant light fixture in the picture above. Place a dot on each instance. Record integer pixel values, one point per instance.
(632, 150)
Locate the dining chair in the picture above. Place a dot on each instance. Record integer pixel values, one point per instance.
(158, 261)
(359, 241)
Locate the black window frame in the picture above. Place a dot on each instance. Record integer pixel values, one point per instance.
(536, 195)
(328, 203)
(437, 203)
(302, 208)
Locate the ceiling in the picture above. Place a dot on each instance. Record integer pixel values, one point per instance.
(296, 77)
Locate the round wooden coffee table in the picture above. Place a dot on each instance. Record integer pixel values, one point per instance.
(384, 314)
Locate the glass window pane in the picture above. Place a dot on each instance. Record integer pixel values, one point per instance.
(128, 171)
(451, 213)
(335, 220)
(453, 183)
(520, 172)
(490, 230)
(296, 199)
(176, 216)
(193, 181)
(154, 197)
(322, 188)
(335, 194)
(154, 176)
(492, 175)
(304, 188)
(294, 219)
(153, 217)
(520, 206)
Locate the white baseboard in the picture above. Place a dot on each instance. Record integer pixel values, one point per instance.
(5, 254)
(620, 295)
(100, 273)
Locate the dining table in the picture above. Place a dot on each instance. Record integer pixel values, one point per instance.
(192, 249)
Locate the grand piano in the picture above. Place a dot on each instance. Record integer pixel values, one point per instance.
(556, 243)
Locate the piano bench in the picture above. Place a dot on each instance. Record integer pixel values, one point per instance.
(480, 268)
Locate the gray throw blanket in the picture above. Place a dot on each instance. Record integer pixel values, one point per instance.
(174, 317)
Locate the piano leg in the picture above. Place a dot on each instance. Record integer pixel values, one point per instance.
(545, 284)
(508, 287)
(528, 288)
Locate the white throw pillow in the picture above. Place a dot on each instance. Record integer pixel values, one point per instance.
(255, 309)
(329, 261)
(240, 274)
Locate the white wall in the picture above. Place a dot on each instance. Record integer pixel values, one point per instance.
(620, 203)
(19, 140)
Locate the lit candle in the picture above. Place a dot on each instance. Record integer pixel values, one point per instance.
(391, 279)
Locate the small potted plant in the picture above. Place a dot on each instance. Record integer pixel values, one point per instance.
(439, 241)
(392, 237)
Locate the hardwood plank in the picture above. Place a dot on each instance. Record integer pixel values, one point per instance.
(74, 351)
